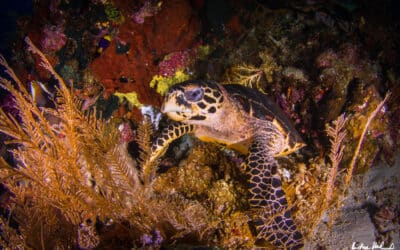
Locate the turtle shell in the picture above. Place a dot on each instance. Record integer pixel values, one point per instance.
(261, 106)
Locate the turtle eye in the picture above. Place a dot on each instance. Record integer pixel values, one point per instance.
(194, 95)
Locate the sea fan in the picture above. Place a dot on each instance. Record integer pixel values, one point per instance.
(73, 174)
(336, 136)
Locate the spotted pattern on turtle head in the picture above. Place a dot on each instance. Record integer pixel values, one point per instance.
(192, 101)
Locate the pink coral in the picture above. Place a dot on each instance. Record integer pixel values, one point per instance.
(126, 132)
(54, 38)
(150, 8)
(176, 61)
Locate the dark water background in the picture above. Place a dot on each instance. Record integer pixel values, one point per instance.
(10, 11)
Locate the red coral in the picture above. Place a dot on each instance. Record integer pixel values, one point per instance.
(174, 28)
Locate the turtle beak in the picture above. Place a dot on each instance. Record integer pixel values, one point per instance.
(168, 104)
(170, 108)
(174, 106)
(163, 108)
(174, 103)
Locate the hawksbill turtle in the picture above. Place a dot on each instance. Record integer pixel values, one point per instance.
(249, 122)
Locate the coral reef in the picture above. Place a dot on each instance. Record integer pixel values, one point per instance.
(178, 25)
(76, 173)
(177, 67)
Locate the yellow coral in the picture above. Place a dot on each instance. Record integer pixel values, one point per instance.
(162, 83)
(131, 97)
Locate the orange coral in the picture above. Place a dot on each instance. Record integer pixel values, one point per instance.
(173, 28)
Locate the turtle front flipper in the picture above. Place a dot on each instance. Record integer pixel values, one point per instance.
(276, 224)
(168, 135)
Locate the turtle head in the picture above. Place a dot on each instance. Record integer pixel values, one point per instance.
(193, 102)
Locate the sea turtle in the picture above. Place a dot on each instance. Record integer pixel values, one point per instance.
(248, 121)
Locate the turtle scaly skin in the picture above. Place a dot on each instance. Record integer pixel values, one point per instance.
(265, 191)
(247, 121)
